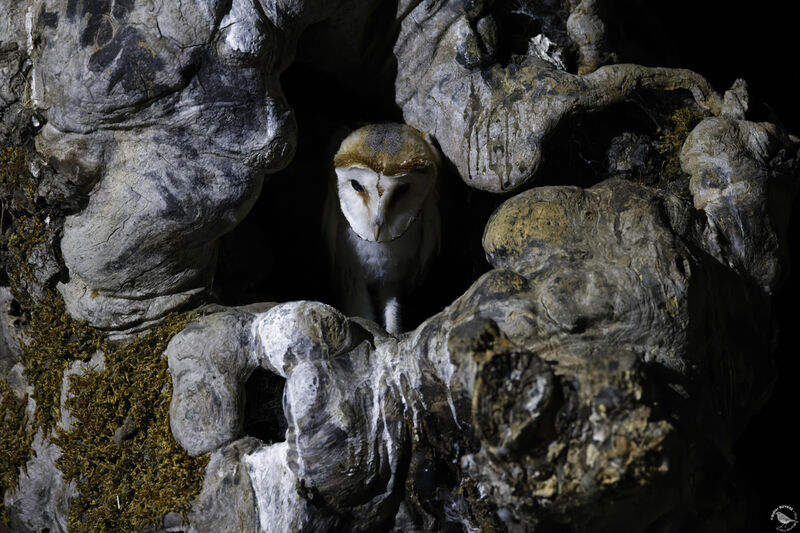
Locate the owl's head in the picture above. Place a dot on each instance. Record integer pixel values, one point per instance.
(384, 173)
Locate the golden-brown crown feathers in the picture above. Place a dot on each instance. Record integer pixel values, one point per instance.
(389, 149)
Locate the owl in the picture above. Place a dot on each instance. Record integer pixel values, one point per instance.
(381, 220)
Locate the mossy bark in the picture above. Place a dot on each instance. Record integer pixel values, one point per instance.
(118, 448)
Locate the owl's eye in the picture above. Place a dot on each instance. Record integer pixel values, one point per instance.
(404, 188)
(357, 186)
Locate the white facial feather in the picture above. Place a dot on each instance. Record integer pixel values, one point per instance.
(381, 208)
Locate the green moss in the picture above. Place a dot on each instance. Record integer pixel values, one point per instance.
(671, 140)
(16, 440)
(124, 484)
(53, 341)
(16, 187)
(16, 183)
(18, 194)
(133, 482)
(52, 338)
(483, 514)
(13, 167)
(29, 232)
(127, 485)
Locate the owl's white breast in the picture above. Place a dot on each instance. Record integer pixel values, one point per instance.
(383, 262)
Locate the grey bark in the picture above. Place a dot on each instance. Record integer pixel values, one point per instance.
(564, 386)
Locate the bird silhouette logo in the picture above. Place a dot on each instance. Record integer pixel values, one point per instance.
(784, 518)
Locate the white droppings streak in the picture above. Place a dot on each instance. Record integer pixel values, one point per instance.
(535, 395)
(385, 352)
(277, 334)
(301, 394)
(29, 32)
(377, 412)
(280, 508)
(452, 407)
(446, 369)
(271, 337)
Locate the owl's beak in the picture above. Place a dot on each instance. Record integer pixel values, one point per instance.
(378, 228)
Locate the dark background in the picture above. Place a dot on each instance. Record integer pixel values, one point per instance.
(756, 41)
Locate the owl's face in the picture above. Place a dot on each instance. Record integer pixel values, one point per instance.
(381, 208)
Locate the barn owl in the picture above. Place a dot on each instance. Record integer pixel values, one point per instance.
(382, 219)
